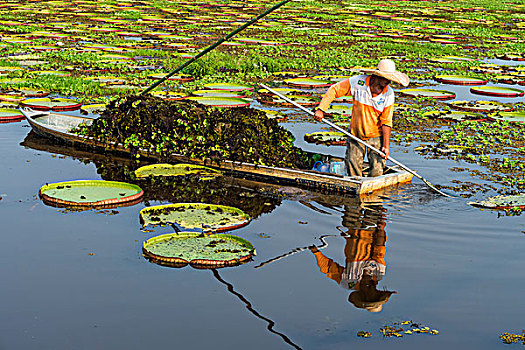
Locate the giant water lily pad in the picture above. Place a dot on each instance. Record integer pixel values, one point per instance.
(177, 77)
(199, 250)
(308, 82)
(454, 115)
(497, 91)
(176, 170)
(55, 104)
(326, 138)
(284, 91)
(437, 94)
(480, 106)
(229, 102)
(90, 193)
(302, 100)
(9, 114)
(460, 80)
(340, 110)
(516, 117)
(218, 93)
(93, 108)
(502, 202)
(169, 95)
(209, 217)
(229, 87)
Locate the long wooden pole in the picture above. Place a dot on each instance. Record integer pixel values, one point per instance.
(213, 46)
(359, 141)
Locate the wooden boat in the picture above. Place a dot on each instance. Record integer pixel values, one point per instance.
(59, 126)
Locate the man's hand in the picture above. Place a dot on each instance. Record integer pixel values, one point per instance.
(386, 151)
(319, 115)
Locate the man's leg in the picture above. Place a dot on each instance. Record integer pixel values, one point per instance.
(354, 158)
(377, 163)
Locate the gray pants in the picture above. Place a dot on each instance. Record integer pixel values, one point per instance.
(355, 154)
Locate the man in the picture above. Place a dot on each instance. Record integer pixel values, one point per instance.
(373, 107)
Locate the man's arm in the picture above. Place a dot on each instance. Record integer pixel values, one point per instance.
(342, 88)
(385, 147)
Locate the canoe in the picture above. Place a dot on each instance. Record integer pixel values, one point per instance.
(58, 126)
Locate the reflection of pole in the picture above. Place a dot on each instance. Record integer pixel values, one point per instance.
(252, 310)
(296, 250)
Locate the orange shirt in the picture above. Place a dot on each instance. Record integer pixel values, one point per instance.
(368, 113)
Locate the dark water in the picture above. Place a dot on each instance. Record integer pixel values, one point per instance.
(77, 280)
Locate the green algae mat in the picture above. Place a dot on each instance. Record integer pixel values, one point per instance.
(208, 217)
(177, 170)
(502, 202)
(90, 193)
(198, 250)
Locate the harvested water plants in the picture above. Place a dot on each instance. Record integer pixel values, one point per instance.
(162, 170)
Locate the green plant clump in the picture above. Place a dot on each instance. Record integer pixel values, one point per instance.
(162, 127)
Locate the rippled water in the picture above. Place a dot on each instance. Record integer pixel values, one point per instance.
(77, 280)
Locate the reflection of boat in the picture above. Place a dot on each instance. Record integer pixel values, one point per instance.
(58, 126)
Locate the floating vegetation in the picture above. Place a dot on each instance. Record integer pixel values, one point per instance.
(177, 170)
(510, 338)
(198, 250)
(208, 217)
(401, 329)
(497, 91)
(437, 94)
(502, 202)
(326, 138)
(164, 127)
(90, 193)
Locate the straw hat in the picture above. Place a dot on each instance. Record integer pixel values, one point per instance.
(386, 68)
(376, 305)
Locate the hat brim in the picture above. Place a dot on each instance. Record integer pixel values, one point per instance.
(397, 77)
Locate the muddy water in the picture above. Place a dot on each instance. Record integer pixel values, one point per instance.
(77, 280)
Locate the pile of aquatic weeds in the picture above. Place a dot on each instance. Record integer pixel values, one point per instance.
(165, 127)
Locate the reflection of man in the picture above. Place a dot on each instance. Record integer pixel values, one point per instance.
(365, 258)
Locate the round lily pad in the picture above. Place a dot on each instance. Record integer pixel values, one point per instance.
(480, 106)
(177, 77)
(209, 217)
(460, 80)
(176, 170)
(326, 138)
(437, 94)
(451, 59)
(275, 115)
(456, 116)
(9, 114)
(284, 91)
(502, 202)
(340, 110)
(90, 193)
(497, 91)
(230, 102)
(302, 100)
(309, 82)
(55, 104)
(12, 97)
(198, 250)
(517, 116)
(218, 93)
(229, 87)
(93, 108)
(169, 95)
